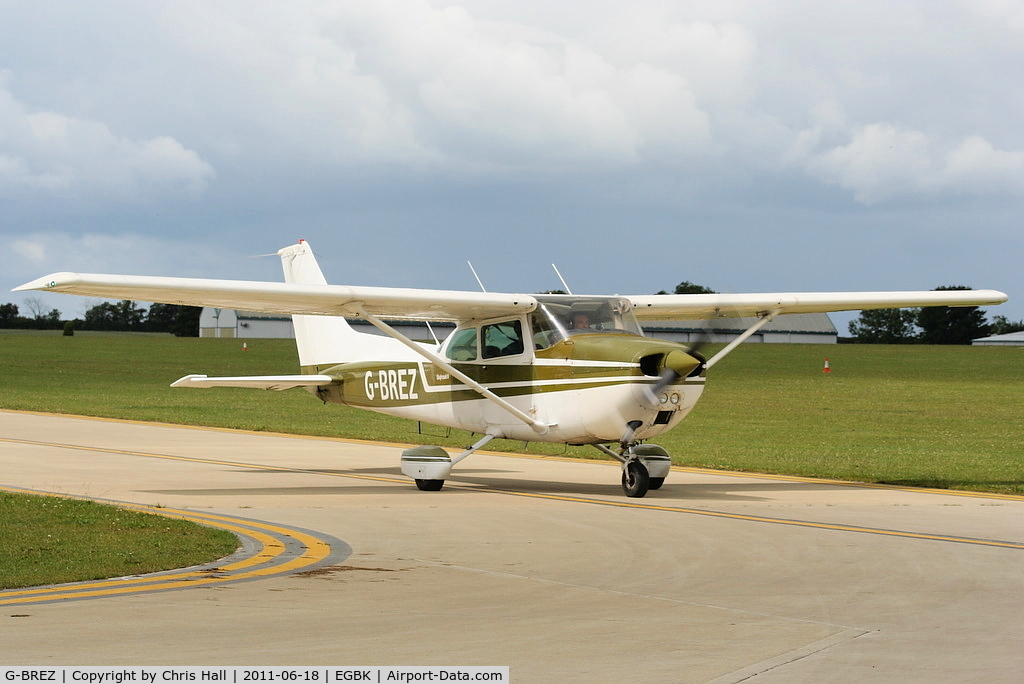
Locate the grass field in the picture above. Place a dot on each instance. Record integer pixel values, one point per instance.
(49, 540)
(948, 417)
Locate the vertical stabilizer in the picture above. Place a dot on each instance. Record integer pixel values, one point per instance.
(322, 340)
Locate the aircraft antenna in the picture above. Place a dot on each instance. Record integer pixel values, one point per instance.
(479, 282)
(561, 278)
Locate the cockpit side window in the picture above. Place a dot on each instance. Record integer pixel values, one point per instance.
(502, 339)
(547, 329)
(462, 346)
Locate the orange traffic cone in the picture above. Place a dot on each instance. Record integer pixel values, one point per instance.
(245, 347)
(827, 368)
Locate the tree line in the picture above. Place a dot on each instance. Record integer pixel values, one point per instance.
(123, 316)
(929, 325)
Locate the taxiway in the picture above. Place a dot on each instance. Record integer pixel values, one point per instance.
(540, 564)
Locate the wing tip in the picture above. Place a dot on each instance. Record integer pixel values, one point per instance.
(48, 282)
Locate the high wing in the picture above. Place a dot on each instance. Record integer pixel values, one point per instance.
(452, 305)
(290, 298)
(705, 306)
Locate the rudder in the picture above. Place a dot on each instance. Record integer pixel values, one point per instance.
(321, 340)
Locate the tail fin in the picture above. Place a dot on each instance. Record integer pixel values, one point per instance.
(321, 340)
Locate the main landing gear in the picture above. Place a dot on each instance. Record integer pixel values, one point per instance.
(430, 466)
(644, 466)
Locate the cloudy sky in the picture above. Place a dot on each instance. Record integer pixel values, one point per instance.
(743, 145)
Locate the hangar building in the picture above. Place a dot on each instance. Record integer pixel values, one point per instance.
(792, 328)
(232, 323)
(1014, 339)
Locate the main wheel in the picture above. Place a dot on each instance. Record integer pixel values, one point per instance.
(430, 485)
(656, 482)
(635, 479)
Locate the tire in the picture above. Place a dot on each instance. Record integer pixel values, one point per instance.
(429, 485)
(656, 482)
(635, 479)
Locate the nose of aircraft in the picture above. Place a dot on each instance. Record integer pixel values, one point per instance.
(681, 363)
(670, 367)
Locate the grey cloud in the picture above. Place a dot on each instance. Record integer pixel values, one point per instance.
(55, 154)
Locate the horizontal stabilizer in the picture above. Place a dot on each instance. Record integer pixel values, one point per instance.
(266, 382)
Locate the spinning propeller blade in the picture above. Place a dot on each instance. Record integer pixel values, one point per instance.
(674, 366)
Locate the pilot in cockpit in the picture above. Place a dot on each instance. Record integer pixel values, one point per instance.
(580, 320)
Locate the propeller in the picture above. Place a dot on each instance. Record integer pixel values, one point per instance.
(674, 366)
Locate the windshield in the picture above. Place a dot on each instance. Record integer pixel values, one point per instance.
(560, 316)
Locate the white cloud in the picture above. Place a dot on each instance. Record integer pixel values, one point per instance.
(32, 251)
(408, 82)
(36, 253)
(881, 161)
(66, 156)
(710, 93)
(976, 166)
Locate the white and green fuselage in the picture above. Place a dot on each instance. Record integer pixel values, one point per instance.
(584, 388)
(566, 369)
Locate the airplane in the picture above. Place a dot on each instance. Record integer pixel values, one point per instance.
(563, 368)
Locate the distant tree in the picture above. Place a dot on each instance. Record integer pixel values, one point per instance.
(9, 318)
(160, 317)
(8, 314)
(41, 318)
(186, 321)
(181, 321)
(49, 321)
(1001, 326)
(951, 325)
(686, 287)
(130, 315)
(125, 315)
(35, 306)
(885, 326)
(103, 316)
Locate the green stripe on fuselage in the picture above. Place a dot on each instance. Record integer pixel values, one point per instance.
(582, 362)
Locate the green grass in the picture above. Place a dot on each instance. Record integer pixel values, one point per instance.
(947, 417)
(50, 540)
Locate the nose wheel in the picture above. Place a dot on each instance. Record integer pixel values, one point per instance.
(644, 467)
(636, 479)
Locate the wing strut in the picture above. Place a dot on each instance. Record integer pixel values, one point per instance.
(537, 426)
(764, 320)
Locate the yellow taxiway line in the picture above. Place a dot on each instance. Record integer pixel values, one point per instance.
(268, 555)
